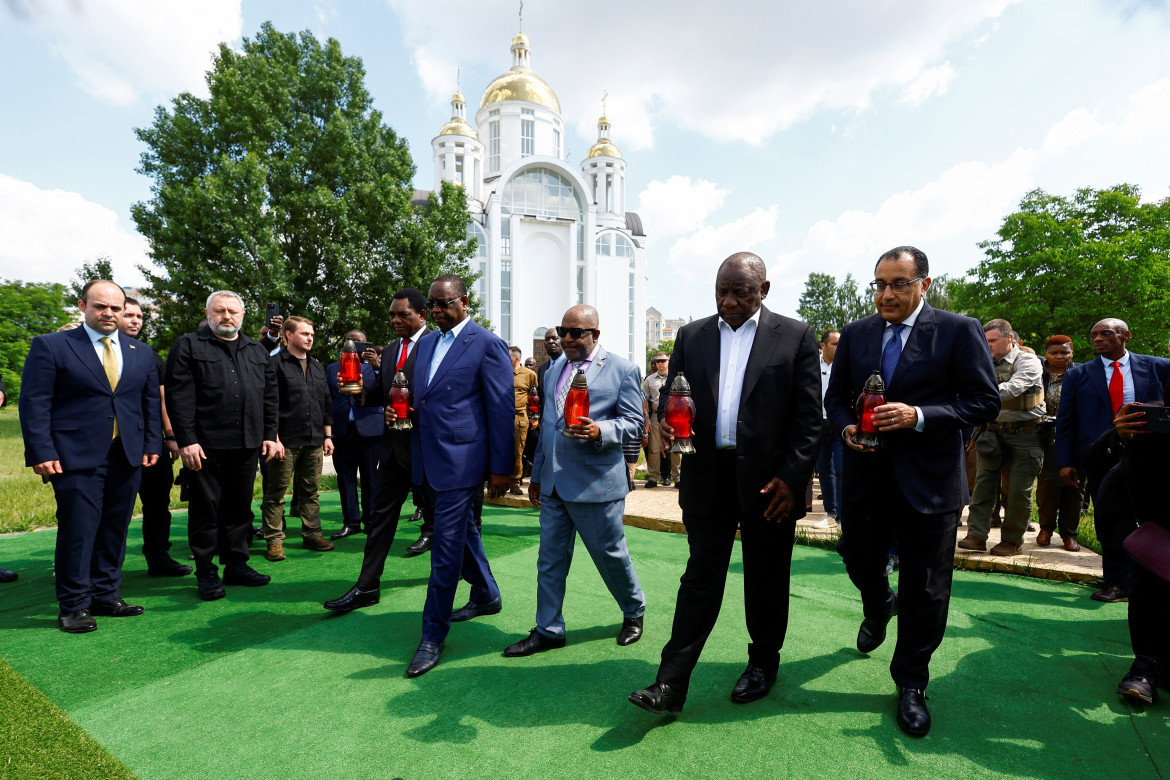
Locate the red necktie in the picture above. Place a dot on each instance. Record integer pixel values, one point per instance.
(402, 357)
(1116, 387)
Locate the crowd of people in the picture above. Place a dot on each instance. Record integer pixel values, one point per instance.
(103, 416)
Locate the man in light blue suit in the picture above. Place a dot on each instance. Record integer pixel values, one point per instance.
(464, 420)
(579, 481)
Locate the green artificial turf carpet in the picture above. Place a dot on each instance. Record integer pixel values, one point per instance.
(267, 684)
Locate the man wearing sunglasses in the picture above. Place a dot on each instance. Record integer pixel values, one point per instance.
(463, 434)
(579, 481)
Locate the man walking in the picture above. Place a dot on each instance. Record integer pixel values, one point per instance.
(831, 449)
(357, 439)
(523, 380)
(654, 393)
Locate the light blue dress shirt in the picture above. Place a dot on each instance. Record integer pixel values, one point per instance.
(95, 338)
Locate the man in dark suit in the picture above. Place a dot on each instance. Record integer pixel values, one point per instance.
(1092, 393)
(757, 393)
(409, 319)
(463, 434)
(939, 380)
(357, 437)
(89, 412)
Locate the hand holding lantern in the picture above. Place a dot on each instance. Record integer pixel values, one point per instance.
(533, 404)
(872, 396)
(400, 402)
(349, 370)
(680, 413)
(576, 403)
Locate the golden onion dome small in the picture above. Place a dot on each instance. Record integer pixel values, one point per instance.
(520, 39)
(604, 149)
(458, 97)
(459, 127)
(521, 85)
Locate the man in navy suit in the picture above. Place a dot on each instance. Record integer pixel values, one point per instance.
(463, 434)
(579, 482)
(1092, 393)
(89, 412)
(939, 380)
(357, 437)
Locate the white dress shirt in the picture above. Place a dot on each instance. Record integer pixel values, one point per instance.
(446, 340)
(734, 348)
(826, 373)
(95, 338)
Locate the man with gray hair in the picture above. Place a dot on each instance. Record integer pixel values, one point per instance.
(221, 395)
(1013, 440)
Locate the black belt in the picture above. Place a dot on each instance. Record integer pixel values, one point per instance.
(726, 453)
(1023, 426)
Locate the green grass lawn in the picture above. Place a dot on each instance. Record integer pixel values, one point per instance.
(267, 684)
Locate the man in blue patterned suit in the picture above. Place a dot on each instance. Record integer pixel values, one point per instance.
(579, 481)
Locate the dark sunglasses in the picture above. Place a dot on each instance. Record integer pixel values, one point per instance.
(660, 360)
(576, 333)
(437, 304)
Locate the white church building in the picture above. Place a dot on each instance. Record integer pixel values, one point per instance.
(551, 235)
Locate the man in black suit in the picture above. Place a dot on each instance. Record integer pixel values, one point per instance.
(357, 438)
(408, 317)
(939, 380)
(757, 392)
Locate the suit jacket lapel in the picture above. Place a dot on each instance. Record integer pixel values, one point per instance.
(709, 357)
(920, 336)
(596, 366)
(1144, 381)
(83, 347)
(763, 344)
(454, 352)
(1098, 384)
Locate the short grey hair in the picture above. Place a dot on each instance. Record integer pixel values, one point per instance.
(225, 294)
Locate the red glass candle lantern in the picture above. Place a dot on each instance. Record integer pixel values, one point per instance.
(680, 413)
(576, 402)
(350, 369)
(872, 396)
(533, 404)
(400, 403)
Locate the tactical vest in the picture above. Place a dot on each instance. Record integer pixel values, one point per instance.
(1021, 403)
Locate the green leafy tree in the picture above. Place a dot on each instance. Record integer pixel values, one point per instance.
(826, 305)
(1060, 264)
(28, 309)
(285, 186)
(938, 295)
(652, 350)
(852, 303)
(100, 268)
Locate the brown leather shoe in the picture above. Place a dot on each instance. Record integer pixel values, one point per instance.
(516, 490)
(1071, 545)
(317, 542)
(974, 543)
(1044, 538)
(1006, 548)
(275, 550)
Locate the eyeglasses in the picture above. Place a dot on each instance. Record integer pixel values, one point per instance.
(662, 360)
(900, 286)
(437, 304)
(576, 333)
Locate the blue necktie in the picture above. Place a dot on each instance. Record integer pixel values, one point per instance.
(891, 353)
(445, 342)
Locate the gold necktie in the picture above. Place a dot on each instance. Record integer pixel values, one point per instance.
(110, 364)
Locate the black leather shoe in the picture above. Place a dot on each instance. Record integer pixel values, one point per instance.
(209, 585)
(243, 574)
(873, 632)
(753, 684)
(913, 717)
(7, 575)
(1111, 595)
(115, 608)
(631, 631)
(425, 659)
(166, 566)
(420, 546)
(416, 517)
(79, 622)
(534, 643)
(1141, 682)
(651, 483)
(659, 698)
(346, 530)
(355, 599)
(472, 610)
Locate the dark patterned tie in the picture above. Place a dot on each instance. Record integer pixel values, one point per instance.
(891, 353)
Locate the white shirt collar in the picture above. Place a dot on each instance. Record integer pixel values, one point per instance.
(95, 337)
(457, 329)
(418, 334)
(754, 320)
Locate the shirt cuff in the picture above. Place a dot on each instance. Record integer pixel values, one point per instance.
(921, 419)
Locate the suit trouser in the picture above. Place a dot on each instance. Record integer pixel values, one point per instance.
(1114, 519)
(767, 562)
(1059, 505)
(356, 455)
(302, 464)
(604, 536)
(829, 468)
(521, 438)
(93, 515)
(654, 454)
(1023, 454)
(393, 487)
(878, 515)
(1149, 614)
(155, 492)
(456, 552)
(219, 515)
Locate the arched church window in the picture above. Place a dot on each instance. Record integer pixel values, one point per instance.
(541, 192)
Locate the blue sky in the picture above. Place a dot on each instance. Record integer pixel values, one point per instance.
(816, 135)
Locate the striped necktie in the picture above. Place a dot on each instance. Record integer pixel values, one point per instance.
(110, 364)
(564, 393)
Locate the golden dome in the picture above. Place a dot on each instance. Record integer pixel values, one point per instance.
(604, 149)
(520, 39)
(458, 96)
(458, 127)
(521, 85)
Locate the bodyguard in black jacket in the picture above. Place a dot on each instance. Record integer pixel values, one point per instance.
(221, 396)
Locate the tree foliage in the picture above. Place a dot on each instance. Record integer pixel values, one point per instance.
(28, 309)
(827, 305)
(100, 268)
(654, 349)
(1061, 264)
(285, 186)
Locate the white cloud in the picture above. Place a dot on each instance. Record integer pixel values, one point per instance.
(677, 205)
(45, 235)
(121, 49)
(695, 257)
(1073, 129)
(753, 69)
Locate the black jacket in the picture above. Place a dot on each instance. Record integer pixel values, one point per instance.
(216, 401)
(395, 444)
(305, 405)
